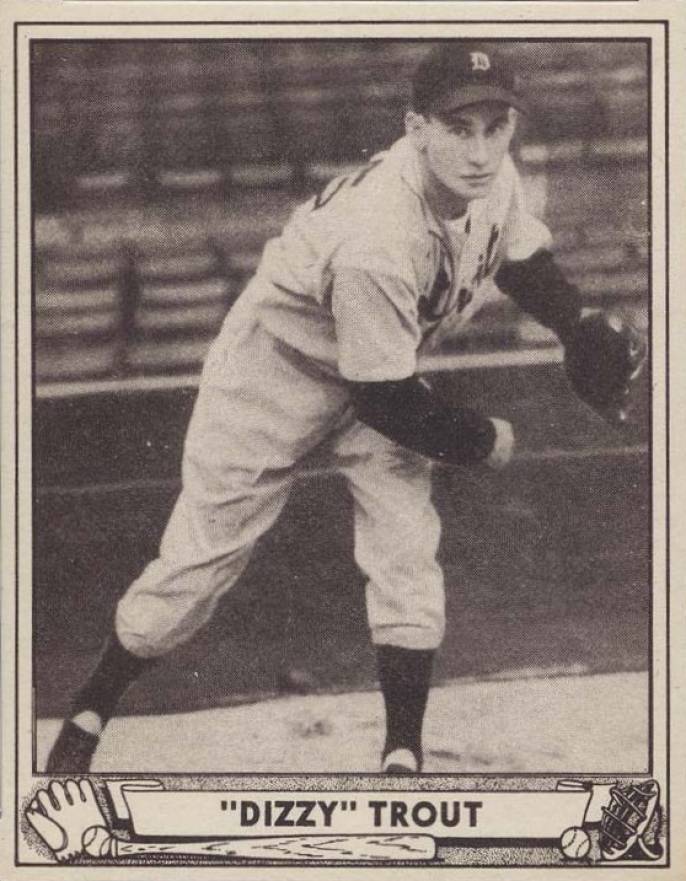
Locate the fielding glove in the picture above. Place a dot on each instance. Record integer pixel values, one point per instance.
(604, 357)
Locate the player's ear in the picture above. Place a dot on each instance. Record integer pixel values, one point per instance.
(416, 128)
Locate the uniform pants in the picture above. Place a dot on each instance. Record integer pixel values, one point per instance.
(259, 416)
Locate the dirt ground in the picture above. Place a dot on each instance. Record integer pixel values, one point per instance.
(561, 722)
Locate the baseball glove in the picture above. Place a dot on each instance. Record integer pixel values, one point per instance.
(604, 357)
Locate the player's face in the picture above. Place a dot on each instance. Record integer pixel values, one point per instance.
(462, 150)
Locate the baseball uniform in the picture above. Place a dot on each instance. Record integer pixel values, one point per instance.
(363, 280)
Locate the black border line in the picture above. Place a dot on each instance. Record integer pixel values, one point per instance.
(651, 506)
(649, 40)
(668, 506)
(16, 443)
(300, 39)
(643, 40)
(345, 22)
(32, 272)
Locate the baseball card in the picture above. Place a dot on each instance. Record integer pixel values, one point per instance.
(340, 440)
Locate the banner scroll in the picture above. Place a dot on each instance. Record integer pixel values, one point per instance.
(361, 826)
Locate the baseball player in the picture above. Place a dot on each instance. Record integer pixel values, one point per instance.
(320, 354)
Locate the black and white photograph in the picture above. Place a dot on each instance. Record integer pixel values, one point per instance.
(340, 422)
(377, 254)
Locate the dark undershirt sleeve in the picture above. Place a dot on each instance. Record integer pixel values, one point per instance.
(410, 413)
(539, 287)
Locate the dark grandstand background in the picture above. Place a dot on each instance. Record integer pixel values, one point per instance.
(159, 169)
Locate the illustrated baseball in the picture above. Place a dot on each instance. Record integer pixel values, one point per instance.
(96, 841)
(575, 843)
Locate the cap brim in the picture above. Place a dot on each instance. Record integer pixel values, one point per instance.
(467, 95)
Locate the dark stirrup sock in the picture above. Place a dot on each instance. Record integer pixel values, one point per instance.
(114, 672)
(405, 679)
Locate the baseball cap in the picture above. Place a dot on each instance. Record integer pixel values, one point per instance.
(458, 73)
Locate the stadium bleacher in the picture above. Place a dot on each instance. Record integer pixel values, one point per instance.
(160, 170)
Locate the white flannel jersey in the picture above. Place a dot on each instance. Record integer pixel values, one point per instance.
(365, 278)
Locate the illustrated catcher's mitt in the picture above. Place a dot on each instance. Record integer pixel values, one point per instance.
(604, 357)
(626, 820)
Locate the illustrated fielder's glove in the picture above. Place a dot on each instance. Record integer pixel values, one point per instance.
(604, 356)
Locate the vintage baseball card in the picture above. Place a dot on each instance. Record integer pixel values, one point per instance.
(342, 394)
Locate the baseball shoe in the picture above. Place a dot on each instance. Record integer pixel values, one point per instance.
(401, 761)
(73, 750)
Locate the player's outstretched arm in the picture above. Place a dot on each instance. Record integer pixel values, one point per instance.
(411, 413)
(604, 353)
(539, 287)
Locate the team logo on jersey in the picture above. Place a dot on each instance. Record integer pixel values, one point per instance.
(434, 306)
(487, 260)
(480, 61)
(440, 302)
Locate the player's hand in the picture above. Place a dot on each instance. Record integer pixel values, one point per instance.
(503, 448)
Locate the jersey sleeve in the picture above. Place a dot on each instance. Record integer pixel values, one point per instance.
(374, 305)
(524, 233)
